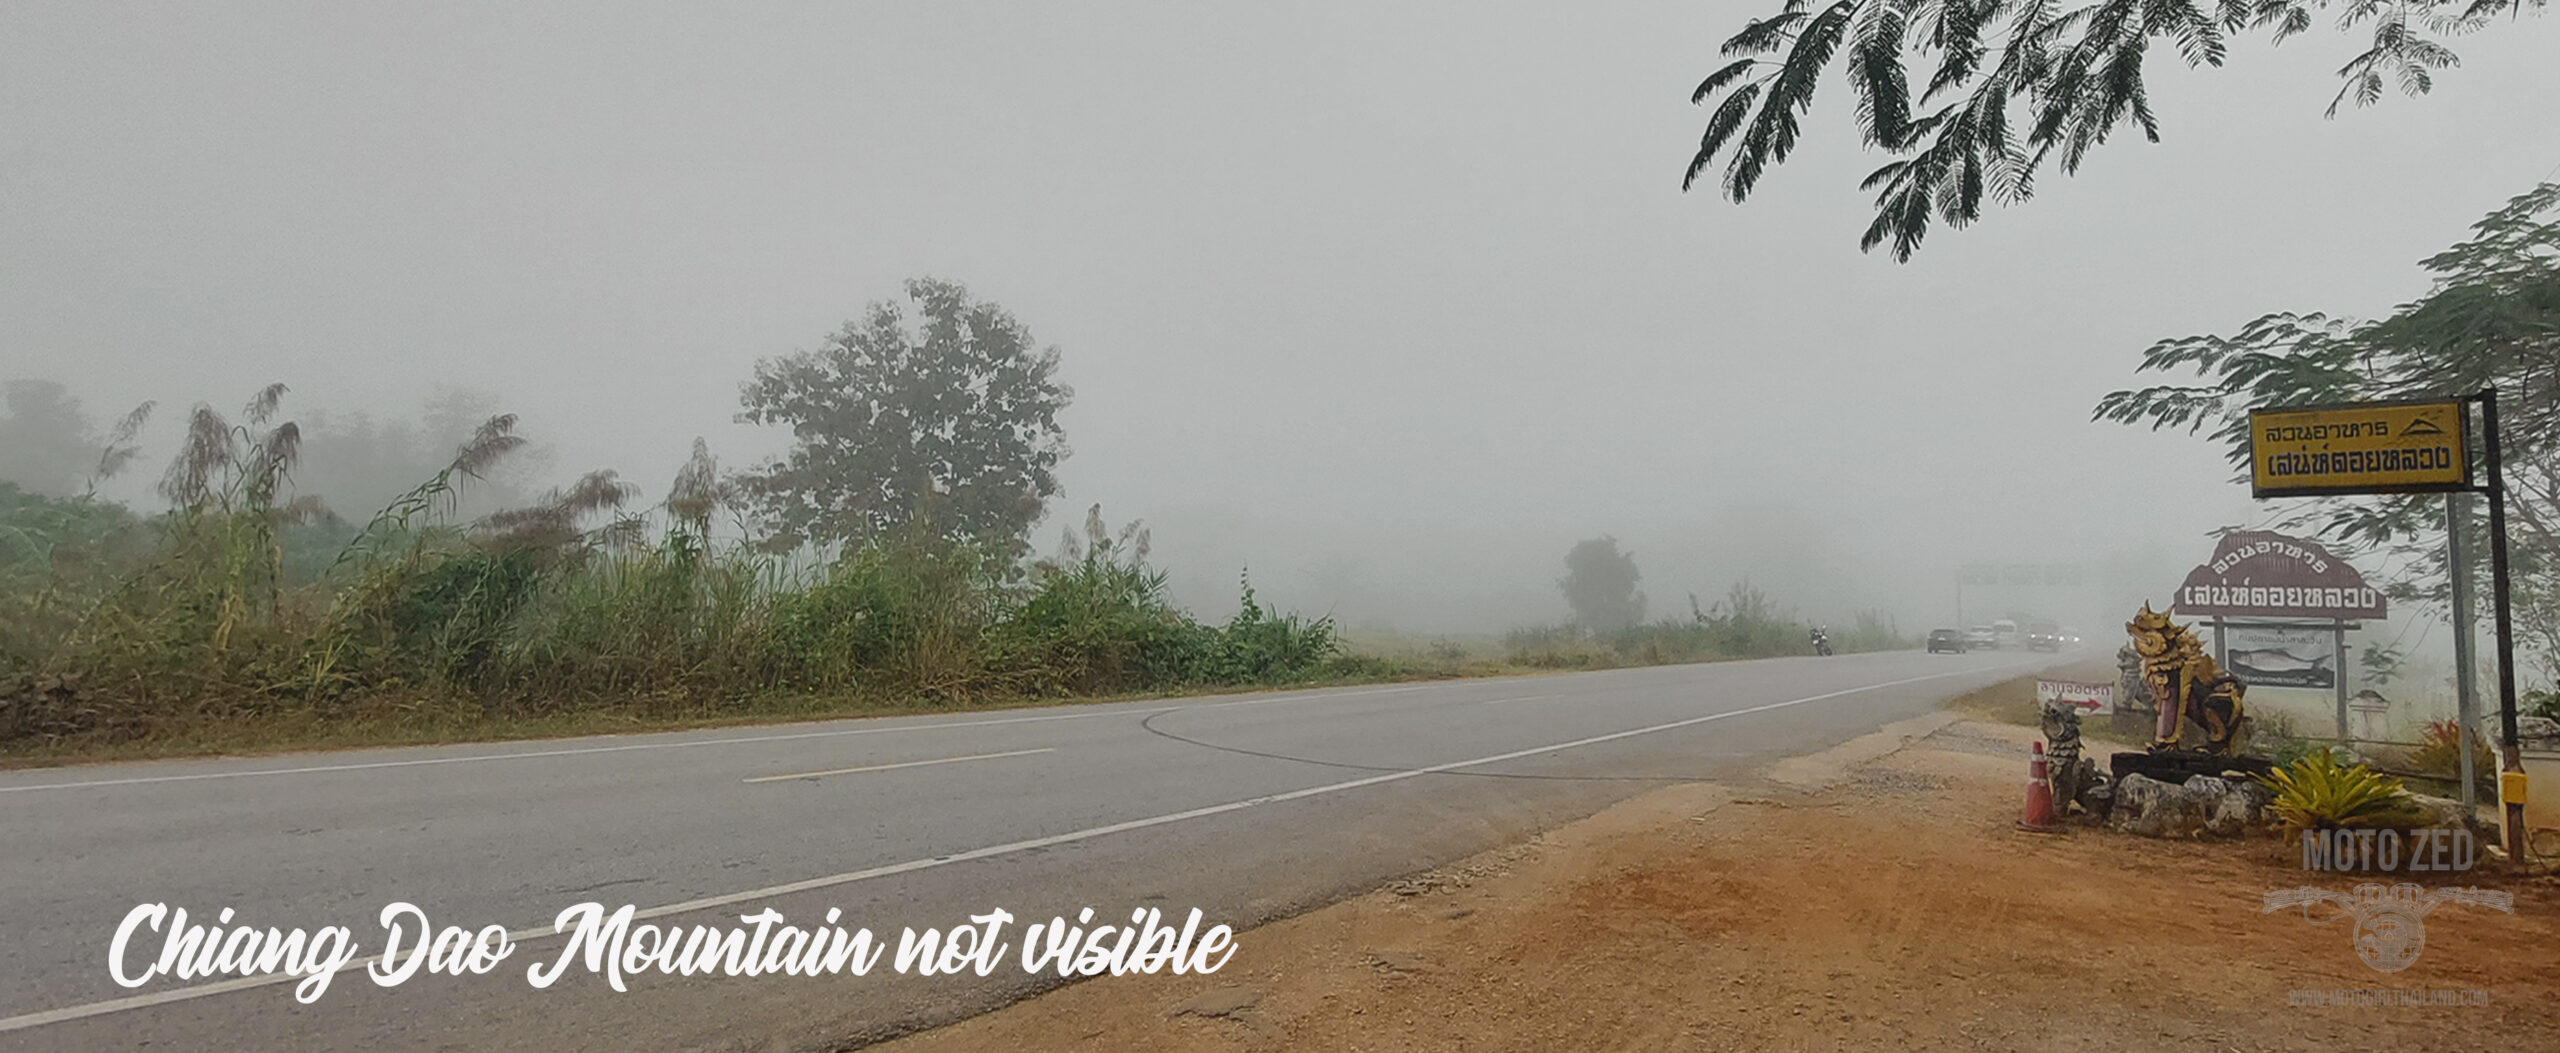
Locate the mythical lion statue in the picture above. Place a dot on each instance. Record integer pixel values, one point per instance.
(2186, 682)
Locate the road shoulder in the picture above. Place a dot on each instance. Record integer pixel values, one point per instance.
(1873, 894)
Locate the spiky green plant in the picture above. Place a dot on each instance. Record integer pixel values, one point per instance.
(2317, 793)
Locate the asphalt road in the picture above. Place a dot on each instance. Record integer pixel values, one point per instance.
(1248, 807)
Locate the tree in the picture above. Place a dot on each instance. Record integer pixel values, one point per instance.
(2010, 84)
(1600, 585)
(2491, 318)
(356, 462)
(954, 424)
(47, 443)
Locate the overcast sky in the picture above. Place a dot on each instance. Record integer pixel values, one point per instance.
(1392, 302)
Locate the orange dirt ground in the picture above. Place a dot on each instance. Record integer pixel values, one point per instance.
(1860, 902)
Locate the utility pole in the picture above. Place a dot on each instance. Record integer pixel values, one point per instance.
(2511, 781)
(2466, 670)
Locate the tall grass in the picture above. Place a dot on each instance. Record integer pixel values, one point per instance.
(115, 628)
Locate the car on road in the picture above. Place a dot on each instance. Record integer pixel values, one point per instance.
(1948, 640)
(2044, 641)
(1982, 637)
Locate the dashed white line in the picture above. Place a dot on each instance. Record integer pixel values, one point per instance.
(893, 767)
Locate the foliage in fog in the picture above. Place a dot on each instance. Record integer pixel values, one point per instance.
(1746, 623)
(50, 447)
(116, 627)
(1600, 585)
(2490, 318)
(953, 422)
(357, 462)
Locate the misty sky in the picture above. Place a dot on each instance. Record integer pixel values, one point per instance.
(1391, 302)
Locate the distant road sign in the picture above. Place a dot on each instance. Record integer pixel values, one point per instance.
(2364, 448)
(2031, 574)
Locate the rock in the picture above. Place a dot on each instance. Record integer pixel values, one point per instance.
(2151, 808)
(2240, 806)
(2204, 804)
(1217, 1001)
(2445, 812)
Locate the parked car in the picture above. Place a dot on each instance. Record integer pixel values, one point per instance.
(1948, 640)
(1982, 638)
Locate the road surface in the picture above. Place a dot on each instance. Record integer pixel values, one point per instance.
(1248, 807)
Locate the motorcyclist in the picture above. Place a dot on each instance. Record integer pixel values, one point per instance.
(1821, 640)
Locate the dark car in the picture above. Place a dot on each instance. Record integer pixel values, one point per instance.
(2044, 641)
(1949, 640)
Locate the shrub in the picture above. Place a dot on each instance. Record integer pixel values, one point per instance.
(2440, 754)
(2315, 793)
(2544, 704)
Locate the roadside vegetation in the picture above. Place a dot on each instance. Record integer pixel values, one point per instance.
(882, 565)
(200, 626)
(1747, 623)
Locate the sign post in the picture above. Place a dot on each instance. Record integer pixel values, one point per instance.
(2466, 675)
(2404, 448)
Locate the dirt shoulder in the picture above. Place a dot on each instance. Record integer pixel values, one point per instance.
(1872, 896)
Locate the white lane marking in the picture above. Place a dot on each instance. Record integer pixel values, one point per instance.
(77, 1012)
(893, 767)
(628, 747)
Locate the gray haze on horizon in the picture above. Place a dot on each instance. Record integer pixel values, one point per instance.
(1391, 305)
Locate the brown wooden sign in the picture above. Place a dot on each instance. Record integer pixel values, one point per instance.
(2258, 574)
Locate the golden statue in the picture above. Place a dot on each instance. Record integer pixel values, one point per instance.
(2187, 683)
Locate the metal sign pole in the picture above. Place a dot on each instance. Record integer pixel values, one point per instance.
(2511, 759)
(2338, 676)
(2466, 666)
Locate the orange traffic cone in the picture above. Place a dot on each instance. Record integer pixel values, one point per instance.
(2039, 818)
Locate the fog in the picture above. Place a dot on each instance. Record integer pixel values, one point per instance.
(1390, 304)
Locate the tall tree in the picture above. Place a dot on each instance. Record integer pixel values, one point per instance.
(2491, 318)
(2008, 84)
(1600, 585)
(953, 423)
(47, 444)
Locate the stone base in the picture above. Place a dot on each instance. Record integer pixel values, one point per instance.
(2177, 766)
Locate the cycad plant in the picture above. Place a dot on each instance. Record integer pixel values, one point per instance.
(2317, 793)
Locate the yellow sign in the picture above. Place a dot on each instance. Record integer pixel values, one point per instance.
(2371, 448)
